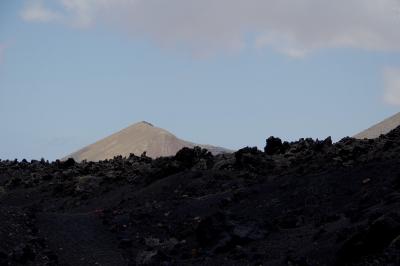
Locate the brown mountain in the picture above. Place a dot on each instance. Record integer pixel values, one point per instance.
(381, 128)
(138, 138)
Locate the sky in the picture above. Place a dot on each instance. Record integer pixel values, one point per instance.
(224, 72)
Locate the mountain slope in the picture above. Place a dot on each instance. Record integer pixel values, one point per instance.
(381, 128)
(137, 138)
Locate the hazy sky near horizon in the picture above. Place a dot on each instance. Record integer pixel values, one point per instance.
(222, 72)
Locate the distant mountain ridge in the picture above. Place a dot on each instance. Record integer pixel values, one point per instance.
(138, 138)
(383, 127)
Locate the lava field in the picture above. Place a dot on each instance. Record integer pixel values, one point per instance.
(309, 202)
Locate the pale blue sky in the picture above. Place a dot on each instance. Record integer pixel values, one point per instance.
(70, 74)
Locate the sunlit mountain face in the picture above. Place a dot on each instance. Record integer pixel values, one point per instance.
(137, 139)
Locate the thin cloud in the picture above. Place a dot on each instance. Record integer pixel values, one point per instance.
(392, 86)
(295, 28)
(3, 47)
(35, 11)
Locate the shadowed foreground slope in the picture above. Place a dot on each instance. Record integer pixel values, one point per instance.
(302, 203)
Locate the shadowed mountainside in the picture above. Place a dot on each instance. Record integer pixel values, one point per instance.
(308, 202)
(138, 138)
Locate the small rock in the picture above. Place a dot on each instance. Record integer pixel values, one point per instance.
(366, 180)
(87, 183)
(125, 243)
(152, 242)
(153, 257)
(2, 191)
(275, 146)
(68, 163)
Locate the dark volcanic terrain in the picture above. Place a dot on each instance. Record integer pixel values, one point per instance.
(302, 203)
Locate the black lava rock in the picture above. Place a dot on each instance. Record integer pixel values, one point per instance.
(307, 202)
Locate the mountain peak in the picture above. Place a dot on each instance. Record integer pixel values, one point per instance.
(145, 123)
(138, 138)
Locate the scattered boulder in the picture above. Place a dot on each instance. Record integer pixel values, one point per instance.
(87, 183)
(70, 162)
(189, 157)
(152, 257)
(275, 146)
